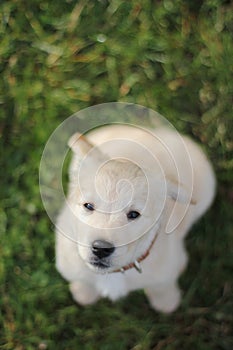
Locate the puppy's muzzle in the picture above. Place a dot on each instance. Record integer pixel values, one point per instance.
(102, 249)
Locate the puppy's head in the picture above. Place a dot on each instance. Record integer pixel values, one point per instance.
(117, 206)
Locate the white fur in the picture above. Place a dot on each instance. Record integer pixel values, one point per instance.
(131, 169)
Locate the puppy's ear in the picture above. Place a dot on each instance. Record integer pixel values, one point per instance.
(179, 193)
(79, 144)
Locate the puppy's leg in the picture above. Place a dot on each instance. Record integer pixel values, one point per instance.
(83, 293)
(164, 298)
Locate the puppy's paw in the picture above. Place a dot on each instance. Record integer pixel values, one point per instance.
(83, 294)
(165, 300)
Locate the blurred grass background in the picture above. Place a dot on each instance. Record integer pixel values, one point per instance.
(57, 57)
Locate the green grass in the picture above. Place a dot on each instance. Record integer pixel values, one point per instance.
(58, 57)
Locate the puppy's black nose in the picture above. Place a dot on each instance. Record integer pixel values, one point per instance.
(102, 249)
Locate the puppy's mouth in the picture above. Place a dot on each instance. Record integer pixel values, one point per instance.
(104, 264)
(100, 265)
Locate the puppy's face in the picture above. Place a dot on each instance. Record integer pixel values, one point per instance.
(117, 209)
(117, 205)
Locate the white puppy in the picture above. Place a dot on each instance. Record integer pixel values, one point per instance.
(132, 197)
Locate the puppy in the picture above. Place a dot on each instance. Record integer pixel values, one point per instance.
(133, 195)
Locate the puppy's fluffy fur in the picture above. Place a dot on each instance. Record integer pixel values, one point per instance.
(163, 177)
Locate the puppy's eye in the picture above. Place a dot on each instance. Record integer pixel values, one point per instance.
(89, 206)
(133, 214)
